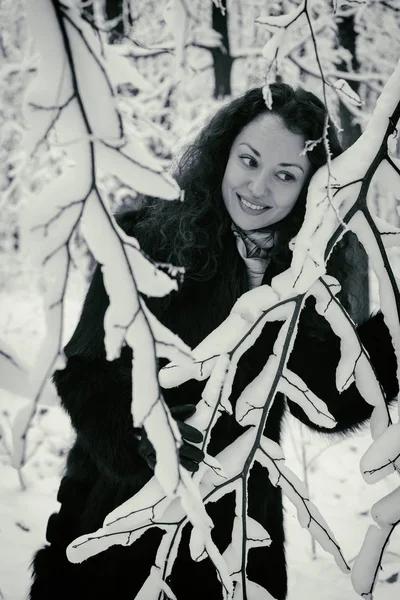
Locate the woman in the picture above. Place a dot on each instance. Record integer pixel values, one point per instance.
(245, 183)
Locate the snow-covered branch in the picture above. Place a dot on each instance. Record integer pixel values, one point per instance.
(83, 114)
(308, 514)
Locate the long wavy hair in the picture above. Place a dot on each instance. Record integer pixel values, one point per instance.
(193, 233)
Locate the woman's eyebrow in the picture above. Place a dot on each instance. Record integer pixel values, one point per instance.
(256, 152)
(292, 165)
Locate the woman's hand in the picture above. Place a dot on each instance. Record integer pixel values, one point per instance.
(190, 456)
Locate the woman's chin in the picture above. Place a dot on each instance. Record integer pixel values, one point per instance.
(252, 223)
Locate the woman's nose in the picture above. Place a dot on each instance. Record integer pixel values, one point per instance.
(258, 186)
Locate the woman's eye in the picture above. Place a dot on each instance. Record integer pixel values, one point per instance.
(249, 161)
(285, 176)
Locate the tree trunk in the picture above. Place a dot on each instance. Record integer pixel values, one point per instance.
(351, 132)
(347, 39)
(112, 9)
(222, 59)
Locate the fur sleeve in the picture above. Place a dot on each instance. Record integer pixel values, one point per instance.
(315, 361)
(97, 397)
(96, 393)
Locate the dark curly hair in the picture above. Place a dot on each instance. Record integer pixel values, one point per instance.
(193, 233)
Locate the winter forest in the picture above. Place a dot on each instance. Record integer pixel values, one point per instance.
(96, 99)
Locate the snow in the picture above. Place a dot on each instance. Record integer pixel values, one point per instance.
(335, 486)
(23, 517)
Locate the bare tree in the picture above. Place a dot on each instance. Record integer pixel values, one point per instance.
(222, 58)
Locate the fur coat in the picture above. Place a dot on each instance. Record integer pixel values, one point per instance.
(104, 468)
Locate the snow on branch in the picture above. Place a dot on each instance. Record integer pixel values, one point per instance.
(74, 97)
(186, 30)
(349, 179)
(354, 364)
(308, 514)
(283, 43)
(368, 563)
(383, 456)
(331, 210)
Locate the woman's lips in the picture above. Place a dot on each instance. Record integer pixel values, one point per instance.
(245, 205)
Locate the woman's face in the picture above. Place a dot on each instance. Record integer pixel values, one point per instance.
(264, 174)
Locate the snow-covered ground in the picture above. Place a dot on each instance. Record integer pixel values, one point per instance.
(345, 500)
(335, 484)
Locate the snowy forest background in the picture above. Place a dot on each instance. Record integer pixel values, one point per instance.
(169, 80)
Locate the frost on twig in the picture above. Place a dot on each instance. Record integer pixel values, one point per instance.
(282, 46)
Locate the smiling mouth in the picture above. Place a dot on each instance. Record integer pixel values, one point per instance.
(251, 206)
